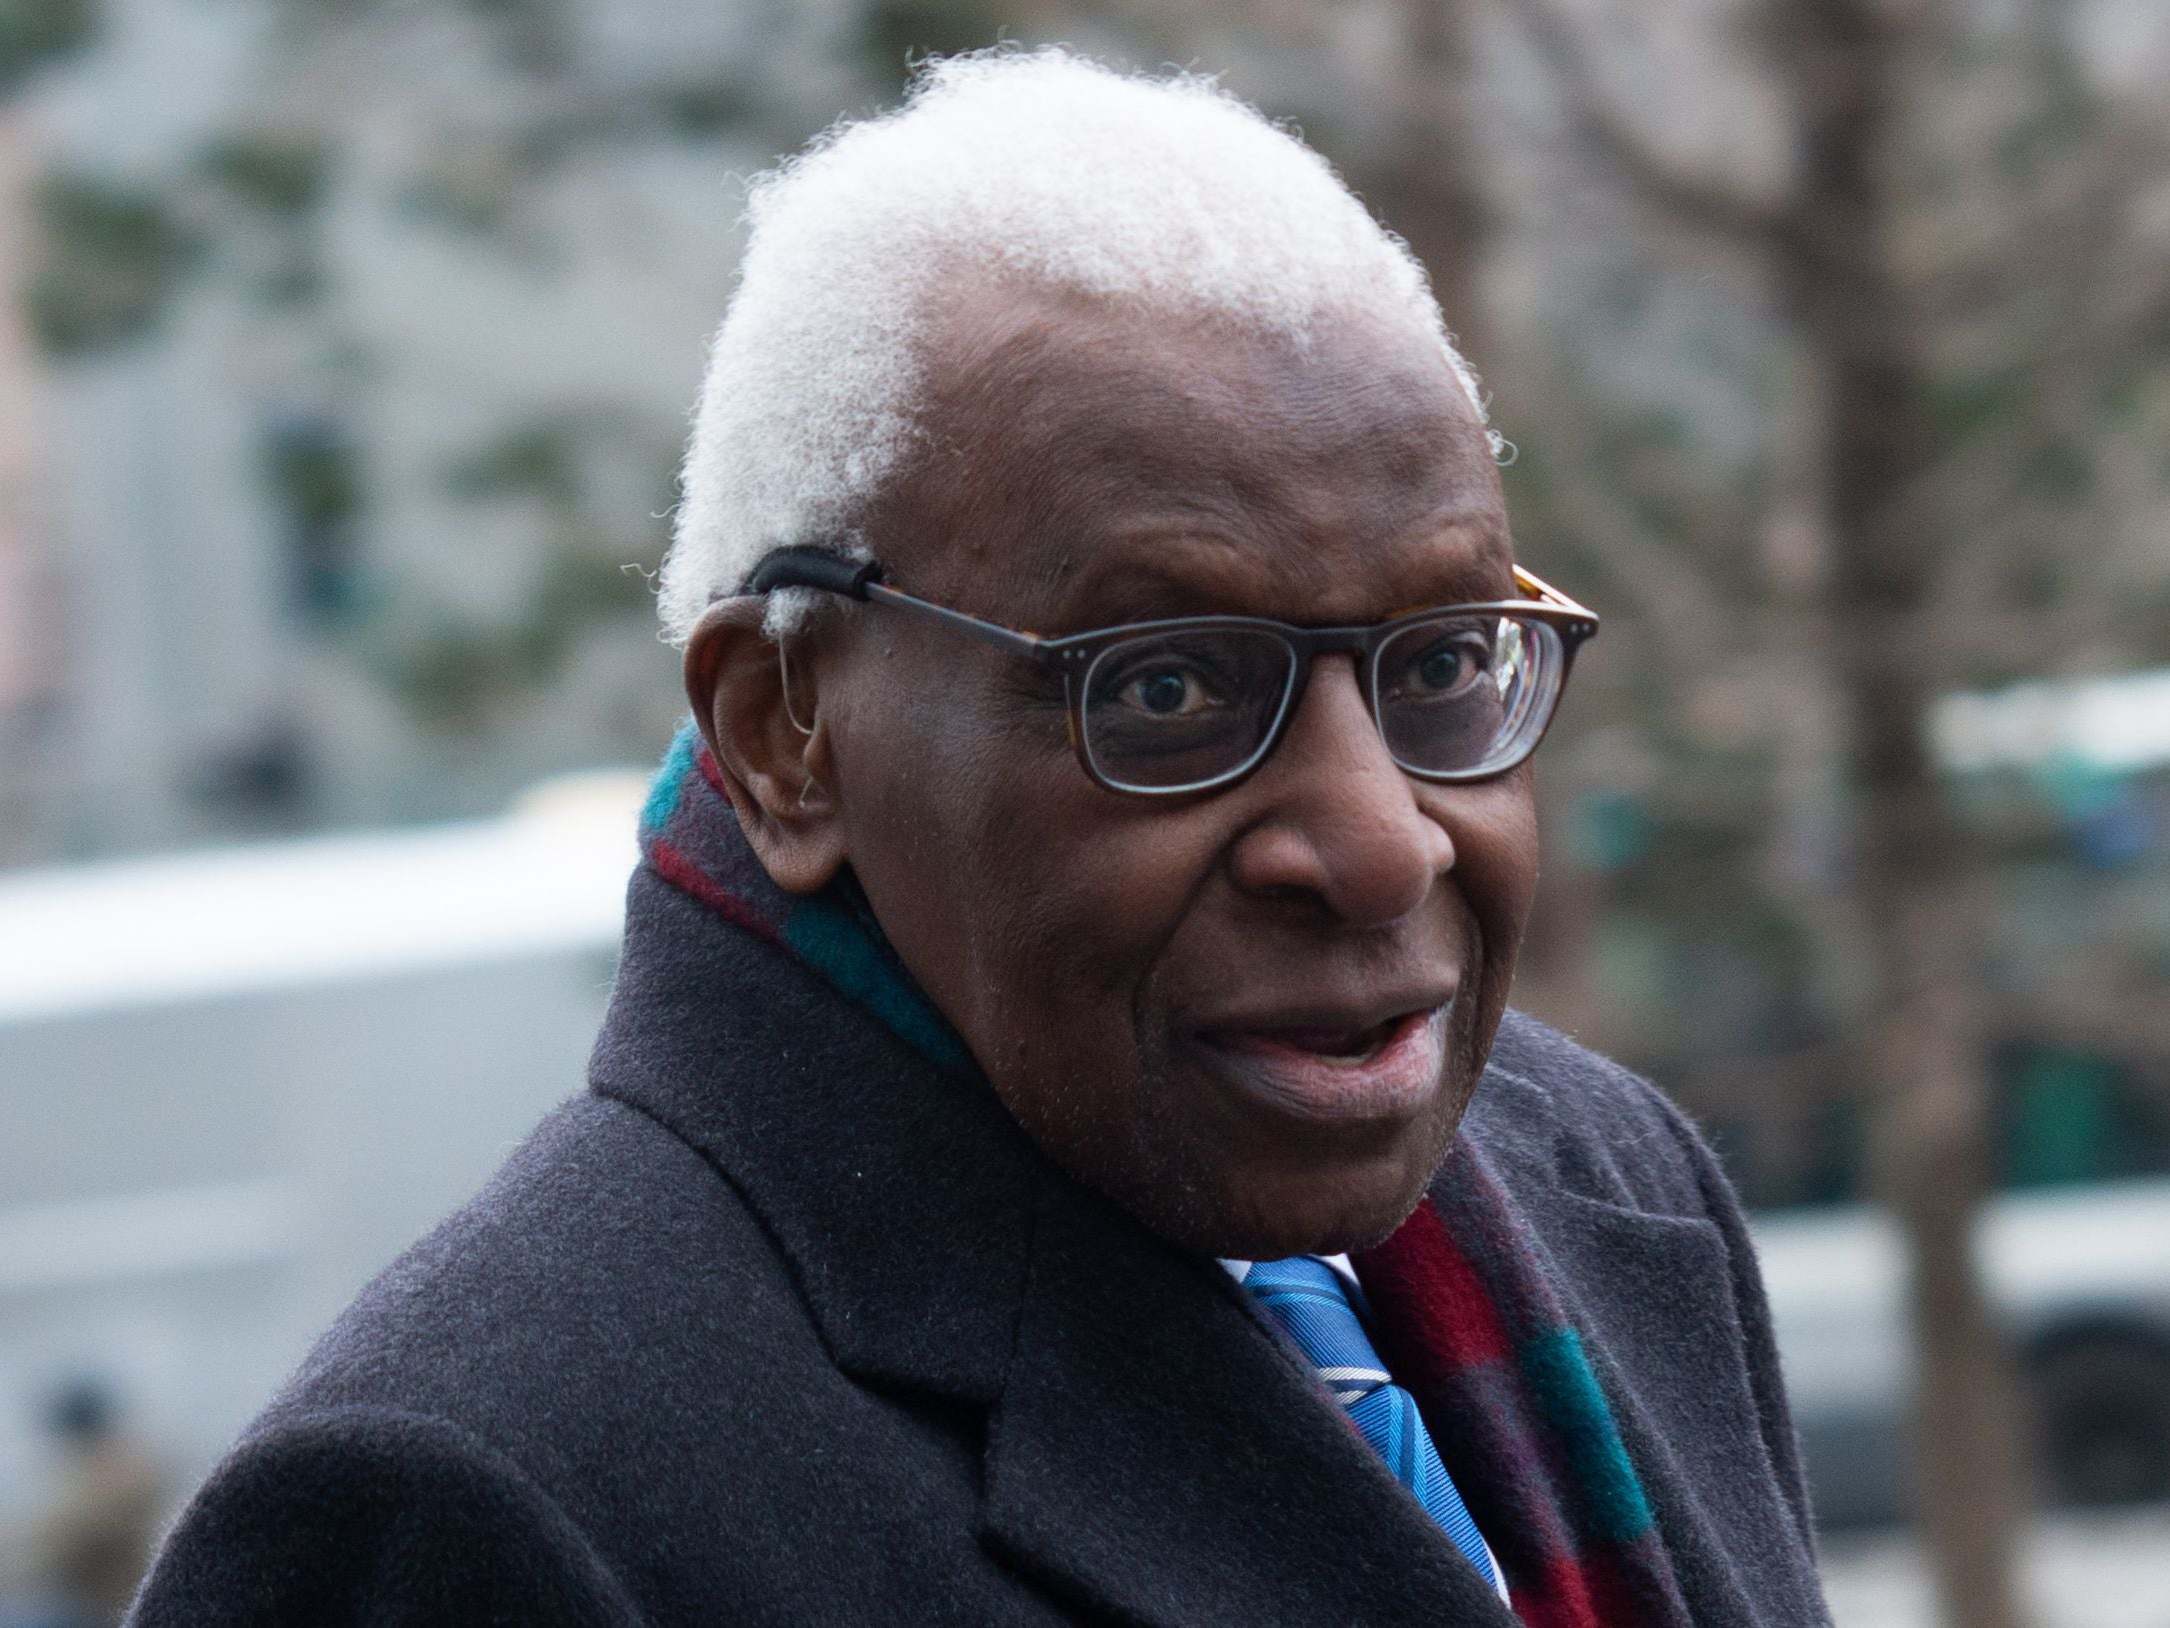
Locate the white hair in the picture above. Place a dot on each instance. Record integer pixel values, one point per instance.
(1168, 193)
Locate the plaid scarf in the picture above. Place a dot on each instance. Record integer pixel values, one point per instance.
(1465, 1317)
(1470, 1326)
(690, 837)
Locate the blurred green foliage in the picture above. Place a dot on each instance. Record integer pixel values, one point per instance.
(531, 35)
(1968, 405)
(2058, 470)
(708, 104)
(112, 256)
(471, 189)
(534, 35)
(894, 34)
(456, 674)
(317, 479)
(282, 173)
(35, 32)
(313, 469)
(537, 460)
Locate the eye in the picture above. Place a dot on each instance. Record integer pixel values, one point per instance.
(1166, 692)
(1444, 667)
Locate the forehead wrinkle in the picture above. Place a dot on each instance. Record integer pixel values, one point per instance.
(1150, 574)
(1170, 561)
(1252, 390)
(1055, 425)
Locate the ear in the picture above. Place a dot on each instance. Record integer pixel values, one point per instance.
(775, 772)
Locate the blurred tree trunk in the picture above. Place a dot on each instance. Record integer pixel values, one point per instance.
(1856, 562)
(1429, 179)
(1914, 874)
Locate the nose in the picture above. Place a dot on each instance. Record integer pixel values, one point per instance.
(1341, 822)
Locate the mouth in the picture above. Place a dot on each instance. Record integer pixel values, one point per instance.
(1326, 1071)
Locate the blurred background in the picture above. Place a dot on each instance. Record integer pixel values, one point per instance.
(346, 348)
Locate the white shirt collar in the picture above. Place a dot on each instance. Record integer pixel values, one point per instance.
(1239, 1270)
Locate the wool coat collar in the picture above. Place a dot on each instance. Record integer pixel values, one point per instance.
(1151, 1451)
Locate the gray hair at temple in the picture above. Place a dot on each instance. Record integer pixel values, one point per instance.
(1168, 193)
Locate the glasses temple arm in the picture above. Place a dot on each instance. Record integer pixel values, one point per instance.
(1544, 593)
(994, 633)
(861, 579)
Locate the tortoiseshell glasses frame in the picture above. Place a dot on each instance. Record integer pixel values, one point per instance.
(1190, 704)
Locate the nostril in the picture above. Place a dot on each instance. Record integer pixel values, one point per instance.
(1366, 867)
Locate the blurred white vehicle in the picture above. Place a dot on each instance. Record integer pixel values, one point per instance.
(234, 1084)
(2081, 1279)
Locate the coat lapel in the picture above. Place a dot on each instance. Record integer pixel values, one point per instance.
(1158, 1456)
(900, 1192)
(1153, 1452)
(1683, 1409)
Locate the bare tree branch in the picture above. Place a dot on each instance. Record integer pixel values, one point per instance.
(1699, 202)
(2071, 224)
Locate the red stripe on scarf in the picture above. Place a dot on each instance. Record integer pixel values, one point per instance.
(1430, 1282)
(675, 868)
(705, 761)
(1570, 1593)
(1443, 1332)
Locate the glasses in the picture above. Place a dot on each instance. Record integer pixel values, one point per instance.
(1195, 703)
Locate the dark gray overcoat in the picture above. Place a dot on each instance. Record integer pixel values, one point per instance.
(779, 1324)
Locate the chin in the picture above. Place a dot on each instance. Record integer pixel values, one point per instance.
(1341, 1227)
(1331, 1208)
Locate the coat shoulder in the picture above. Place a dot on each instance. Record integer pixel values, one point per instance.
(606, 1317)
(361, 1515)
(557, 1384)
(1568, 1114)
(603, 1236)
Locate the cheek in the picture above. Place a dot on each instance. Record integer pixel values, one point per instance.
(1029, 903)
(1074, 918)
(1503, 853)
(1494, 827)
(917, 782)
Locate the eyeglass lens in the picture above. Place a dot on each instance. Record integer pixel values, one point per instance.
(1454, 695)
(1179, 709)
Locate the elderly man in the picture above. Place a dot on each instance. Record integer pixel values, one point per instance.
(1058, 1150)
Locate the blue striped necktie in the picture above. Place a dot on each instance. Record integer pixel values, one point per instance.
(1308, 1300)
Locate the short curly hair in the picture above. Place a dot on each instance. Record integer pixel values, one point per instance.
(1167, 192)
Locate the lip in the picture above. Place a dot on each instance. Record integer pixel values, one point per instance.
(1269, 1067)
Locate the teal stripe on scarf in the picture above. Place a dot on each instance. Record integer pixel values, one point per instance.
(669, 787)
(1566, 1388)
(690, 821)
(831, 939)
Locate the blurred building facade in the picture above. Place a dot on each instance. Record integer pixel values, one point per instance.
(351, 360)
(346, 377)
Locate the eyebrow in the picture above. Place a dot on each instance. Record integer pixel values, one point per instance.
(1123, 583)
(1108, 590)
